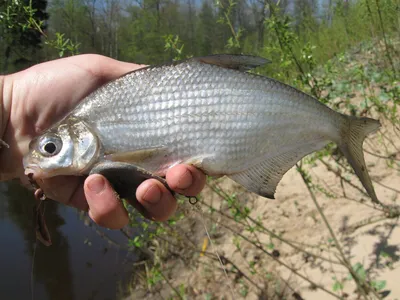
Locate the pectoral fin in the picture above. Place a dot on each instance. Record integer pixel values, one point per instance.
(264, 178)
(136, 156)
(237, 62)
(125, 179)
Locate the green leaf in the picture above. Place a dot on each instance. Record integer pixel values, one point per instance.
(384, 254)
(337, 286)
(378, 285)
(360, 271)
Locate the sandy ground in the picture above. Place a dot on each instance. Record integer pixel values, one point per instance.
(295, 218)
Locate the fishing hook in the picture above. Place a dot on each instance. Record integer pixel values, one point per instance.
(193, 200)
(39, 193)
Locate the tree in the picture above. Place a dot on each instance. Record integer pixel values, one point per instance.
(207, 22)
(22, 25)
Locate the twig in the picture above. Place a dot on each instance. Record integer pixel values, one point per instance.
(390, 157)
(361, 285)
(222, 194)
(171, 286)
(278, 260)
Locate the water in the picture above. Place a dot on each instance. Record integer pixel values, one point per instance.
(79, 265)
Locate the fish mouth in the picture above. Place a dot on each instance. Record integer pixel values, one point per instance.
(33, 171)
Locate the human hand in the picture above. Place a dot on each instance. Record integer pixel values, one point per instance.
(36, 98)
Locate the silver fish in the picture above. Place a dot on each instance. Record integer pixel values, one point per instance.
(203, 111)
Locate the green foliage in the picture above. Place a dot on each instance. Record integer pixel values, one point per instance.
(244, 289)
(359, 270)
(378, 285)
(296, 41)
(361, 273)
(226, 12)
(175, 46)
(337, 285)
(154, 275)
(63, 45)
(21, 27)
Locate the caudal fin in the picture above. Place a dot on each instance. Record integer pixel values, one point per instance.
(353, 136)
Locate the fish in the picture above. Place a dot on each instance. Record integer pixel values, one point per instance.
(209, 112)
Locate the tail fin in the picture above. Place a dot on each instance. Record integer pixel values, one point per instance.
(352, 141)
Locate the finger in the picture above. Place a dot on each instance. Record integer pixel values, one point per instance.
(65, 189)
(105, 208)
(158, 202)
(102, 67)
(186, 179)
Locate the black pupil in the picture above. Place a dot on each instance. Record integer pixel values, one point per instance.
(50, 148)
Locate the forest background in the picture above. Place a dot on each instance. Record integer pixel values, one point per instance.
(155, 31)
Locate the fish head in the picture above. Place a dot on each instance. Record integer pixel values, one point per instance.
(68, 148)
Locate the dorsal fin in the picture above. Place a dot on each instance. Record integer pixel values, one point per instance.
(231, 61)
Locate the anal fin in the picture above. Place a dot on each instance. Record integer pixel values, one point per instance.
(264, 178)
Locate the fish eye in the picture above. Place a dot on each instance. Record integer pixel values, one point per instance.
(50, 145)
(50, 148)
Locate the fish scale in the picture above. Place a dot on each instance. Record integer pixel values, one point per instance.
(210, 113)
(231, 107)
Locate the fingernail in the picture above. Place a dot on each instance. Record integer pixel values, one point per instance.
(152, 194)
(97, 184)
(185, 180)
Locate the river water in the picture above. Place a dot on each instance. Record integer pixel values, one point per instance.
(80, 264)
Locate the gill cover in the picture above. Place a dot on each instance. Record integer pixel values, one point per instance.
(69, 148)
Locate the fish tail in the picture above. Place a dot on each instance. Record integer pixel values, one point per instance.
(353, 135)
